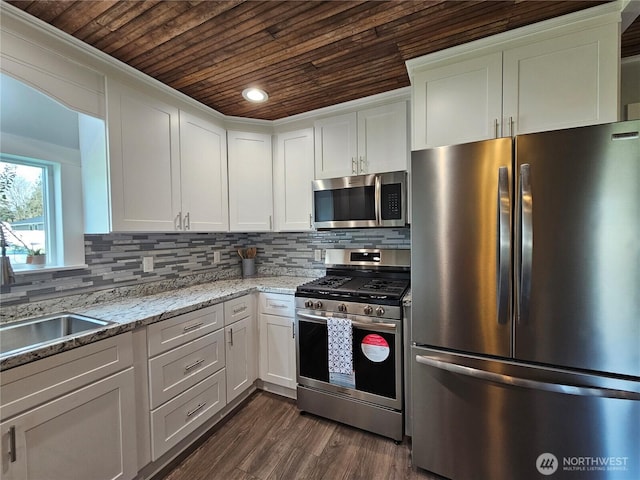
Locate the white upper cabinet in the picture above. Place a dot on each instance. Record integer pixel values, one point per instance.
(336, 146)
(145, 161)
(168, 168)
(250, 182)
(557, 74)
(563, 82)
(203, 175)
(368, 141)
(292, 177)
(458, 103)
(383, 141)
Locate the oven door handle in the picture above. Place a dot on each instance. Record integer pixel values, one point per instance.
(354, 323)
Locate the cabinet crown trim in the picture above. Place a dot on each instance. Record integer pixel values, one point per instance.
(584, 19)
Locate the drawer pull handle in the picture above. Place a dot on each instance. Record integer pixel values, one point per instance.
(12, 444)
(193, 365)
(279, 305)
(197, 409)
(192, 327)
(239, 310)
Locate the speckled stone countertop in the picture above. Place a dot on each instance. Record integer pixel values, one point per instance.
(133, 312)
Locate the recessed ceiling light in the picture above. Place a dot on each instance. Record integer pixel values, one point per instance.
(255, 95)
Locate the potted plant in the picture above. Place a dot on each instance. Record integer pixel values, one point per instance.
(36, 256)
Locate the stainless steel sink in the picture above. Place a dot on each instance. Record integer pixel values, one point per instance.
(33, 333)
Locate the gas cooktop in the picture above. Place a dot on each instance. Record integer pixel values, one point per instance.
(355, 287)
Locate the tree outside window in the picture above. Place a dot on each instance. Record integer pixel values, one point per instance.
(23, 210)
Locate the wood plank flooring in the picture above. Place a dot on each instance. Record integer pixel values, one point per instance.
(269, 439)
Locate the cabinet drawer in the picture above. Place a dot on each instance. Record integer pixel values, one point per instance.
(37, 382)
(175, 371)
(238, 308)
(167, 334)
(186, 412)
(277, 304)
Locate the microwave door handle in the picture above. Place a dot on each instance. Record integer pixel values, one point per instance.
(378, 199)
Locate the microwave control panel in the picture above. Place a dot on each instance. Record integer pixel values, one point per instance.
(391, 201)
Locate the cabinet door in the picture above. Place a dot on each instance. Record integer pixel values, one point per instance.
(292, 177)
(382, 139)
(203, 174)
(89, 433)
(563, 82)
(277, 350)
(250, 177)
(145, 161)
(457, 103)
(336, 146)
(241, 357)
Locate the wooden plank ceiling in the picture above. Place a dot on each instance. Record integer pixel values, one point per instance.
(305, 54)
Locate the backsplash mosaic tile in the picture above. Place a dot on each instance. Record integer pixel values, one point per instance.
(114, 261)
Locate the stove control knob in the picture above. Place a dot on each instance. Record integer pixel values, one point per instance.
(342, 307)
(379, 311)
(308, 303)
(318, 305)
(368, 310)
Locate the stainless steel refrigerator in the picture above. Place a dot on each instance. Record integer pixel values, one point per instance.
(525, 321)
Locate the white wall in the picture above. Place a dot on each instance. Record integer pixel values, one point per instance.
(629, 83)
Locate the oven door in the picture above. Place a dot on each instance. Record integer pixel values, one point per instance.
(377, 358)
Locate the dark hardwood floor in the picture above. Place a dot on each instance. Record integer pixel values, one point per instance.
(269, 439)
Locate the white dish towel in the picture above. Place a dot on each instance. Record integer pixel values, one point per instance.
(340, 345)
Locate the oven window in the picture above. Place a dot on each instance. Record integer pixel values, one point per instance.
(314, 350)
(345, 204)
(374, 360)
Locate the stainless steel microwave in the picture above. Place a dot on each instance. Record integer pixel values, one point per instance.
(377, 200)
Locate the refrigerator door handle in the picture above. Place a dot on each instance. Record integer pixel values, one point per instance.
(378, 196)
(504, 245)
(526, 239)
(525, 382)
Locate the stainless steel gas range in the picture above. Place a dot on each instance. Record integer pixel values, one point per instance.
(349, 347)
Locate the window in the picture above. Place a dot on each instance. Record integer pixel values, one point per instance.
(43, 147)
(26, 200)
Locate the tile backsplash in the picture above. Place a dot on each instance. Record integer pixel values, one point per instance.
(115, 260)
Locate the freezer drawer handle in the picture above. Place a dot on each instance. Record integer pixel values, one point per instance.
(525, 382)
(526, 247)
(504, 245)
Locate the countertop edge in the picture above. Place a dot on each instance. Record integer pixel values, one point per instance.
(136, 312)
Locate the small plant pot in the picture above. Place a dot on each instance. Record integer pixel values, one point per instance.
(37, 259)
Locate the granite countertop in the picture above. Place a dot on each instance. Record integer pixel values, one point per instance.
(133, 312)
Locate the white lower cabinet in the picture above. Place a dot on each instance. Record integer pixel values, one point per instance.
(186, 376)
(277, 340)
(240, 345)
(88, 432)
(181, 415)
